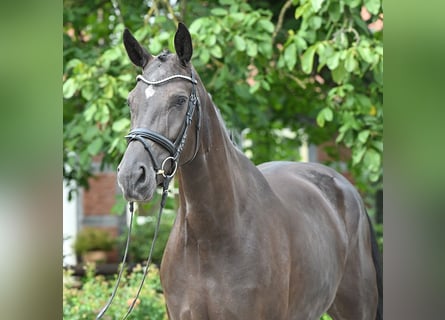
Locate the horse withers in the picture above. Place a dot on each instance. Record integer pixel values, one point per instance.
(279, 241)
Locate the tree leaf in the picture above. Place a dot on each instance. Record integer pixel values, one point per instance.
(328, 114)
(155, 46)
(120, 125)
(324, 115)
(73, 63)
(316, 4)
(320, 119)
(351, 63)
(266, 49)
(290, 56)
(300, 42)
(363, 100)
(265, 85)
(204, 57)
(307, 60)
(366, 54)
(111, 54)
(95, 146)
(240, 44)
(252, 48)
(69, 88)
(334, 11)
(323, 50)
(363, 136)
(315, 22)
(357, 155)
(339, 74)
(255, 87)
(216, 51)
(240, 16)
(266, 25)
(211, 40)
(333, 60)
(378, 145)
(373, 6)
(108, 91)
(87, 92)
(340, 136)
(113, 144)
(374, 176)
(372, 159)
(302, 10)
(104, 114)
(352, 3)
(89, 112)
(219, 12)
(196, 25)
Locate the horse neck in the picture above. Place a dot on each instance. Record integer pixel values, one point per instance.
(212, 183)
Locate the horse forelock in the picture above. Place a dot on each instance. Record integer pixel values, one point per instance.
(164, 54)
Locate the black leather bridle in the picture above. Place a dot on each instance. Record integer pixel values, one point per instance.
(174, 148)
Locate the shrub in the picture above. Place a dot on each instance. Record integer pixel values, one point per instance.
(85, 301)
(142, 236)
(378, 228)
(89, 239)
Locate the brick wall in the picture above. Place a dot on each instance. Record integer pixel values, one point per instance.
(343, 153)
(101, 196)
(97, 202)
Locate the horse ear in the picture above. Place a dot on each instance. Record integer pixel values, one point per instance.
(137, 54)
(183, 44)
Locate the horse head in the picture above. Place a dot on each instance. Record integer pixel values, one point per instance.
(163, 105)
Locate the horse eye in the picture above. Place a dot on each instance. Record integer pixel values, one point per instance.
(179, 101)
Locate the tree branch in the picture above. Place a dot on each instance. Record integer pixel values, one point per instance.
(280, 19)
(171, 11)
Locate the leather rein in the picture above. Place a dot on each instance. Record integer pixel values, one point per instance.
(175, 149)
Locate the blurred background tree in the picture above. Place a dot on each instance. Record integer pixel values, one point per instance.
(280, 72)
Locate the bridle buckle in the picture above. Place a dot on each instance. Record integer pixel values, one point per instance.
(161, 171)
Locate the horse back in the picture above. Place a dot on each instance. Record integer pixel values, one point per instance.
(316, 190)
(325, 216)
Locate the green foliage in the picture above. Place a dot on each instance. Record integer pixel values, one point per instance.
(335, 43)
(309, 66)
(143, 231)
(378, 229)
(87, 301)
(89, 239)
(142, 235)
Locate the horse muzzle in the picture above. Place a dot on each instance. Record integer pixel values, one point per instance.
(137, 180)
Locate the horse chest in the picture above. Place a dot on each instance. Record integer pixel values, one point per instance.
(206, 283)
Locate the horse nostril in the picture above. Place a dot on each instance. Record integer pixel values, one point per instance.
(143, 173)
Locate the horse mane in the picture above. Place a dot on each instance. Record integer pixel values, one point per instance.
(230, 133)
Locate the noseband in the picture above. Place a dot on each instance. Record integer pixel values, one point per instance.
(174, 148)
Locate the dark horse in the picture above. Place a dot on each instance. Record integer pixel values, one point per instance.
(282, 240)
